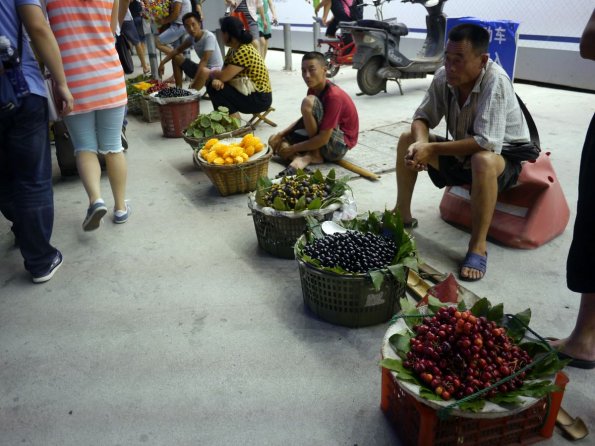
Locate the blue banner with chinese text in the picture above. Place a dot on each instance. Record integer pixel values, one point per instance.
(503, 39)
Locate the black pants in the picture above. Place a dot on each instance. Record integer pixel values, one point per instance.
(581, 257)
(236, 102)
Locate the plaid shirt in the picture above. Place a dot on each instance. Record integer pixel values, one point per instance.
(491, 114)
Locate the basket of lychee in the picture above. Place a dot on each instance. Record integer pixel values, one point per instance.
(469, 360)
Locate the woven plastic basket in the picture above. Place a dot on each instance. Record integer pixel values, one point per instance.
(277, 234)
(149, 109)
(134, 104)
(176, 116)
(237, 178)
(348, 300)
(197, 143)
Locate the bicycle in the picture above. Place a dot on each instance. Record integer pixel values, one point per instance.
(340, 51)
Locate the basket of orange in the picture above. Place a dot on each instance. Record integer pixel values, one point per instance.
(234, 164)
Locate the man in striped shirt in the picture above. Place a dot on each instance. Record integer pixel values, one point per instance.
(482, 114)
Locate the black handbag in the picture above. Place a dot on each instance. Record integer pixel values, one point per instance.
(528, 151)
(124, 54)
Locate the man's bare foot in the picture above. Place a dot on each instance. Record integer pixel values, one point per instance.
(283, 151)
(275, 142)
(573, 349)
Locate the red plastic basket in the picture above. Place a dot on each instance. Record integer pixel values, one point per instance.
(176, 117)
(417, 424)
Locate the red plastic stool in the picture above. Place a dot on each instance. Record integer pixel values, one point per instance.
(529, 214)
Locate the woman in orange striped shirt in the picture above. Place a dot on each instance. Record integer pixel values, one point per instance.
(85, 30)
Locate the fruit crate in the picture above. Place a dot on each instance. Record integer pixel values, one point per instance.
(418, 424)
(349, 300)
(134, 104)
(150, 110)
(237, 178)
(176, 116)
(277, 234)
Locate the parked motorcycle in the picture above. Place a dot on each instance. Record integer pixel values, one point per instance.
(378, 58)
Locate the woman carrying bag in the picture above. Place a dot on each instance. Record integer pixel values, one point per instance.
(243, 85)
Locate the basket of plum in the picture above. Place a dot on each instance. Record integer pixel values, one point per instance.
(280, 207)
(472, 371)
(353, 272)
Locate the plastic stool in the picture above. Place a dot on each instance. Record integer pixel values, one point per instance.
(529, 214)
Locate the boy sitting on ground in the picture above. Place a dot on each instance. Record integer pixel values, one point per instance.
(206, 48)
(329, 124)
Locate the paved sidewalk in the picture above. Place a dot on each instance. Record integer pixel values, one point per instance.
(175, 329)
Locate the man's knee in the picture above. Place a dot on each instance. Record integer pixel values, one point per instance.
(308, 104)
(405, 140)
(485, 163)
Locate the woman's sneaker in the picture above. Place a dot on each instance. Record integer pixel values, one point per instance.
(122, 216)
(94, 215)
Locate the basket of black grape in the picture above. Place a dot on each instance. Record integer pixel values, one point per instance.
(475, 375)
(280, 207)
(353, 274)
(177, 109)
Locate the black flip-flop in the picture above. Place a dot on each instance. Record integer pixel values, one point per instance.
(410, 224)
(289, 171)
(576, 362)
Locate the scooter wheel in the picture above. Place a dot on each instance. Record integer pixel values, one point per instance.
(368, 80)
(332, 68)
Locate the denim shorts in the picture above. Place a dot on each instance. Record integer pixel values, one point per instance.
(98, 131)
(171, 34)
(190, 68)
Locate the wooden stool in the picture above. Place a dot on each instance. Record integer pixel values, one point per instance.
(257, 118)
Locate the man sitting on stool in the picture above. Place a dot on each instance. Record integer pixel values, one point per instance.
(477, 98)
(206, 48)
(329, 124)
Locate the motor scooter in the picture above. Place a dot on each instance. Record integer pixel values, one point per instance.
(378, 58)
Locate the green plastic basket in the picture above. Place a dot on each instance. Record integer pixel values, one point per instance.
(277, 234)
(349, 300)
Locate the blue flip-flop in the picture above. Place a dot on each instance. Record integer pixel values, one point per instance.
(474, 261)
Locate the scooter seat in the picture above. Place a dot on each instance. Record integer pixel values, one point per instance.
(328, 40)
(392, 26)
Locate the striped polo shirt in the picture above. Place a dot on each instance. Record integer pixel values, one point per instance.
(91, 63)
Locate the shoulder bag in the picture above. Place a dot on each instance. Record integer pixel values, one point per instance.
(124, 54)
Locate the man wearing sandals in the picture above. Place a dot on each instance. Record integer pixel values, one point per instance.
(482, 113)
(329, 124)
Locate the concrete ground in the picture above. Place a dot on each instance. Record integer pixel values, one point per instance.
(176, 329)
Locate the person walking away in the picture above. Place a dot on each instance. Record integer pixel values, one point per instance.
(242, 64)
(579, 347)
(251, 10)
(206, 48)
(26, 196)
(329, 124)
(130, 32)
(265, 32)
(94, 74)
(478, 99)
(341, 10)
